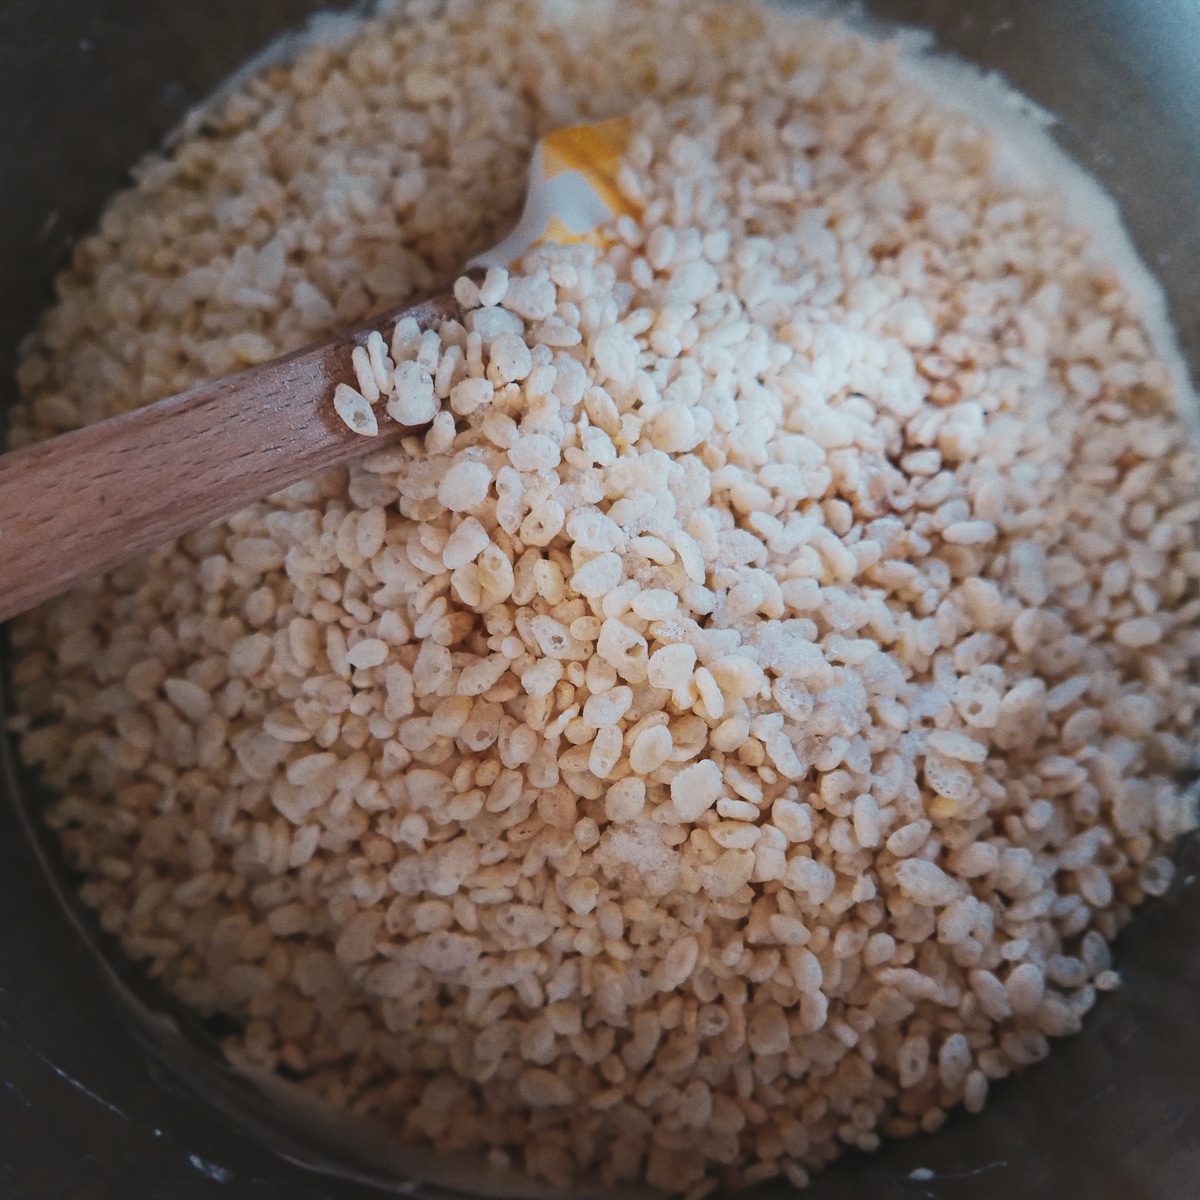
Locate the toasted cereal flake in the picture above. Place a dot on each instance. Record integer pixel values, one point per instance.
(606, 749)
(607, 708)
(767, 1030)
(494, 287)
(925, 882)
(650, 750)
(953, 744)
(466, 292)
(1025, 986)
(598, 576)
(465, 544)
(969, 533)
(615, 354)
(788, 930)
(671, 667)
(363, 372)
(792, 819)
(406, 338)
(465, 486)
(695, 790)
(678, 963)
(355, 411)
(625, 800)
(812, 879)
(540, 1088)
(1138, 632)
(866, 821)
(908, 839)
(509, 360)
(413, 402)
(655, 604)
(710, 695)
(370, 652)
(471, 394)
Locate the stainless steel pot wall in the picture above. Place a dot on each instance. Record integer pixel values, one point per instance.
(91, 1107)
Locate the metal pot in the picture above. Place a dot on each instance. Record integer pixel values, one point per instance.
(95, 1103)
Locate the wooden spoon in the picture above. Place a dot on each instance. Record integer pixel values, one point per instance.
(86, 501)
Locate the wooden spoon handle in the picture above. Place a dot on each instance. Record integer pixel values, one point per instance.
(89, 500)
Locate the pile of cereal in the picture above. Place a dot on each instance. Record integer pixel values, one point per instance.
(736, 730)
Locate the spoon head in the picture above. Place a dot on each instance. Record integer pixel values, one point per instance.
(574, 190)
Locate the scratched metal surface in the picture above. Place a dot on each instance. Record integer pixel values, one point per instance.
(88, 1111)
